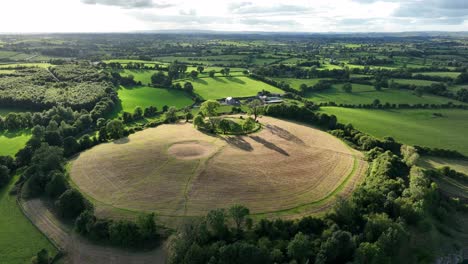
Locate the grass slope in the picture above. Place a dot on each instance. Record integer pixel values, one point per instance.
(416, 127)
(19, 239)
(143, 76)
(148, 96)
(10, 143)
(222, 87)
(366, 94)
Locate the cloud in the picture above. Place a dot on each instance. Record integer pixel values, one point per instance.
(249, 8)
(265, 22)
(128, 4)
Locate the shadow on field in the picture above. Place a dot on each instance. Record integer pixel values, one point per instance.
(284, 134)
(236, 80)
(121, 141)
(269, 145)
(199, 80)
(219, 79)
(238, 142)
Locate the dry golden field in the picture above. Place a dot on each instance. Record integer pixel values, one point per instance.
(285, 169)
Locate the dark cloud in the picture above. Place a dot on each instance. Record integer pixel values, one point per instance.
(128, 3)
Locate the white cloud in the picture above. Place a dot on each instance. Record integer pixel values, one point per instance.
(233, 15)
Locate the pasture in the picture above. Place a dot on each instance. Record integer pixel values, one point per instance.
(436, 162)
(11, 143)
(410, 126)
(440, 74)
(412, 81)
(366, 94)
(19, 239)
(285, 169)
(143, 76)
(222, 87)
(296, 83)
(144, 96)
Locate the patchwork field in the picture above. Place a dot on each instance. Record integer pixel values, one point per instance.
(143, 76)
(366, 94)
(285, 169)
(222, 87)
(19, 239)
(415, 127)
(12, 142)
(144, 96)
(440, 74)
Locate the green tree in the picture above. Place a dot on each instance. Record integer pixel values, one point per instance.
(57, 185)
(208, 109)
(70, 204)
(4, 175)
(224, 125)
(171, 114)
(42, 257)
(200, 69)
(347, 87)
(300, 248)
(115, 129)
(147, 226)
(198, 121)
(212, 73)
(193, 74)
(238, 214)
(188, 87)
(249, 124)
(255, 108)
(138, 113)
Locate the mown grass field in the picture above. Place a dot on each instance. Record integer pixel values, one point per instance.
(366, 94)
(12, 142)
(40, 65)
(415, 127)
(296, 83)
(222, 87)
(177, 170)
(19, 239)
(148, 96)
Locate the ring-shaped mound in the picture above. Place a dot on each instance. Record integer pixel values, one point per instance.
(175, 170)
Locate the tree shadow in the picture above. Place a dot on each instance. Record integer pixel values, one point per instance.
(236, 80)
(238, 142)
(219, 79)
(199, 80)
(284, 134)
(269, 145)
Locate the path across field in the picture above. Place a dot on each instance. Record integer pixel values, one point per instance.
(79, 250)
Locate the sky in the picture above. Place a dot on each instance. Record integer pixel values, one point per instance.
(31, 16)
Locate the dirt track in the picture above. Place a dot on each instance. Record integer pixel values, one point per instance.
(79, 250)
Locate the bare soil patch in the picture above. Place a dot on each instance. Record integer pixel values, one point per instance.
(191, 150)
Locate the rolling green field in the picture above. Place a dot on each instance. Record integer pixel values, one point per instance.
(12, 142)
(440, 74)
(415, 127)
(148, 96)
(19, 239)
(415, 82)
(143, 76)
(296, 83)
(222, 87)
(366, 94)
